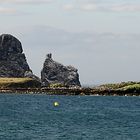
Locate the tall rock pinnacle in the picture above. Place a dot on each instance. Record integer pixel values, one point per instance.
(12, 59)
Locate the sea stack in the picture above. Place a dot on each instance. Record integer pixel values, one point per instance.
(12, 59)
(56, 73)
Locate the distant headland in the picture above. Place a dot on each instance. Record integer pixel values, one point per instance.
(17, 77)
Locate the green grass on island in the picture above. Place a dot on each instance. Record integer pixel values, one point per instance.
(18, 83)
(124, 86)
(133, 87)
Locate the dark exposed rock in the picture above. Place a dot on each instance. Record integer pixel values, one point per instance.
(54, 72)
(12, 59)
(29, 74)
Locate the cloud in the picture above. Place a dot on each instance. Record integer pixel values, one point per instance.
(68, 7)
(26, 1)
(104, 7)
(7, 10)
(125, 8)
(112, 7)
(89, 7)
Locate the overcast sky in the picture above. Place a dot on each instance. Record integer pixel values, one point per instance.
(99, 37)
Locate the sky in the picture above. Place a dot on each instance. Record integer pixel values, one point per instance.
(101, 38)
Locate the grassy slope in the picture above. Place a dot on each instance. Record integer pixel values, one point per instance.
(134, 87)
(18, 83)
(122, 86)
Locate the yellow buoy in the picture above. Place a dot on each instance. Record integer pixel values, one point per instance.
(56, 104)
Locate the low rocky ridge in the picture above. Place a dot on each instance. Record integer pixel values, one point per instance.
(56, 73)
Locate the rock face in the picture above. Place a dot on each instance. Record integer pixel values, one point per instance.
(12, 59)
(54, 72)
(29, 74)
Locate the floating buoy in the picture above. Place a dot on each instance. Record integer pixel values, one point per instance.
(56, 104)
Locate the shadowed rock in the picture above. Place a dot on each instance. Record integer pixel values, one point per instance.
(12, 59)
(54, 72)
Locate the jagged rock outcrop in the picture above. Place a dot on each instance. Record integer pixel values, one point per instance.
(54, 72)
(12, 59)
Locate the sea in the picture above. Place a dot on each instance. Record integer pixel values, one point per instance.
(35, 117)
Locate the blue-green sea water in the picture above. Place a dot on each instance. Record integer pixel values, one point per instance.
(34, 117)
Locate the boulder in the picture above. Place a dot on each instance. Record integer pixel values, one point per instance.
(56, 73)
(12, 59)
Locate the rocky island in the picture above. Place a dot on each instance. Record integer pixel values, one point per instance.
(54, 73)
(17, 77)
